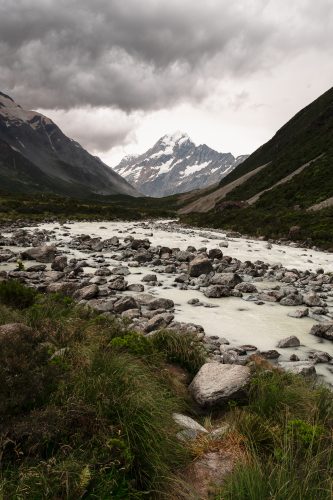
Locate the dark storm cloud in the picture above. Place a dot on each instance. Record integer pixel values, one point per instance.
(142, 55)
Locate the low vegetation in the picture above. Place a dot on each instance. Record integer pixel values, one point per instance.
(86, 412)
(287, 431)
(86, 405)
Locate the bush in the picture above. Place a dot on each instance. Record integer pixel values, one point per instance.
(14, 294)
(183, 349)
(25, 374)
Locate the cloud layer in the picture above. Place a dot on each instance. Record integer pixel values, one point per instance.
(143, 56)
(146, 55)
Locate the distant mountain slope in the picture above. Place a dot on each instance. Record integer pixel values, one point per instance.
(176, 165)
(280, 182)
(35, 155)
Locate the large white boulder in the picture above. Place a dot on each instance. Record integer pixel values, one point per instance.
(216, 383)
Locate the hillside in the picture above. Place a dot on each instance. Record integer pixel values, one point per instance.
(35, 156)
(176, 165)
(284, 183)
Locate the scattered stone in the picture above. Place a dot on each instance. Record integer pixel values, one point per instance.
(324, 330)
(59, 263)
(135, 287)
(160, 303)
(304, 368)
(299, 313)
(200, 265)
(149, 278)
(41, 254)
(125, 303)
(291, 341)
(86, 293)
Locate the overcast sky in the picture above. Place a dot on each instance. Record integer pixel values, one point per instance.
(118, 74)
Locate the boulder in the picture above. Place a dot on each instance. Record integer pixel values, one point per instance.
(59, 263)
(215, 253)
(159, 321)
(86, 293)
(190, 428)
(313, 300)
(324, 330)
(149, 277)
(200, 265)
(216, 383)
(226, 279)
(160, 303)
(246, 288)
(135, 287)
(298, 367)
(125, 303)
(217, 291)
(291, 341)
(299, 313)
(118, 284)
(293, 299)
(64, 287)
(45, 253)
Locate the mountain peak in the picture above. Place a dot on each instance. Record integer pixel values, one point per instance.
(175, 165)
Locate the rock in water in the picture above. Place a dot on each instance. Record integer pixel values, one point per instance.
(324, 330)
(216, 383)
(200, 265)
(291, 341)
(44, 253)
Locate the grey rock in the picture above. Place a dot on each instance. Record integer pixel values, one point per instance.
(200, 265)
(41, 254)
(217, 383)
(86, 293)
(135, 287)
(304, 368)
(125, 303)
(291, 341)
(59, 263)
(299, 313)
(324, 330)
(160, 303)
(217, 291)
(226, 279)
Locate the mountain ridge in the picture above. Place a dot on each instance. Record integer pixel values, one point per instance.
(174, 164)
(287, 182)
(48, 160)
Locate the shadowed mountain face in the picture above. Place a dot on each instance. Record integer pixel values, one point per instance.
(293, 169)
(279, 189)
(176, 165)
(35, 156)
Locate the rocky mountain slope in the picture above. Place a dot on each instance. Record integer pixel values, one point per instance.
(176, 165)
(284, 183)
(35, 156)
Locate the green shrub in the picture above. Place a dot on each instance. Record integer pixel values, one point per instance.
(15, 294)
(183, 349)
(26, 376)
(139, 405)
(134, 343)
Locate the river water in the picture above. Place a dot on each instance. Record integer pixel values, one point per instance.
(240, 321)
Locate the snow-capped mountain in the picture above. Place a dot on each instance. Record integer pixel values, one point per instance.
(35, 156)
(176, 165)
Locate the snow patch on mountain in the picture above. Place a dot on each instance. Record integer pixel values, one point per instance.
(174, 165)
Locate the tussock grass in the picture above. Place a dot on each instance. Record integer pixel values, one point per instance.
(287, 429)
(102, 424)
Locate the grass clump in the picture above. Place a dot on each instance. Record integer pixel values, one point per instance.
(15, 294)
(287, 430)
(88, 408)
